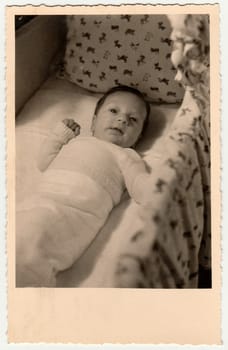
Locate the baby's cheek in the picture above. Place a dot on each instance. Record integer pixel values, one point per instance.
(138, 132)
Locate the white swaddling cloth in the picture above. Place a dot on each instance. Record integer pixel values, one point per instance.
(78, 190)
(55, 226)
(83, 181)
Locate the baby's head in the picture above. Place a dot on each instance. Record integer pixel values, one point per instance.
(120, 116)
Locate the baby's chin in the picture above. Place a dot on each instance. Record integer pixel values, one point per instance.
(116, 140)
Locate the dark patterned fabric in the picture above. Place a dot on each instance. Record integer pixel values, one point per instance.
(135, 50)
(174, 238)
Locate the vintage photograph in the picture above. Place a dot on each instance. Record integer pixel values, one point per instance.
(113, 151)
(113, 174)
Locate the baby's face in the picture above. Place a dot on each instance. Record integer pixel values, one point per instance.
(120, 119)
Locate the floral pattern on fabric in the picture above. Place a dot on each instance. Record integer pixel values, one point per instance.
(174, 238)
(104, 51)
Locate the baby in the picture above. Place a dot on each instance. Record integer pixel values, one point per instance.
(84, 178)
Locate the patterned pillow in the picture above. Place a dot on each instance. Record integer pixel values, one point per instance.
(107, 50)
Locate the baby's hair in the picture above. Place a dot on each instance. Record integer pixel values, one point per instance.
(125, 88)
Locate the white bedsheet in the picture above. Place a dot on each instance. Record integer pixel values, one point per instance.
(54, 101)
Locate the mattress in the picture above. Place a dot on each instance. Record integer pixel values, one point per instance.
(56, 100)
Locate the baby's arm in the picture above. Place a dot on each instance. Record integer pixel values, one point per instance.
(136, 176)
(61, 135)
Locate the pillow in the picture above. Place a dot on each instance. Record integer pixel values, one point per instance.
(104, 51)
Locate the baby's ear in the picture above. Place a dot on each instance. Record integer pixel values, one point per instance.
(93, 123)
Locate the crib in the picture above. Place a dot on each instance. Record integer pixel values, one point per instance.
(166, 243)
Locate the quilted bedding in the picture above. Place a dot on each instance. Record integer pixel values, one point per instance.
(173, 239)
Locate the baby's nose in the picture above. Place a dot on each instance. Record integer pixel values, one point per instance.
(123, 118)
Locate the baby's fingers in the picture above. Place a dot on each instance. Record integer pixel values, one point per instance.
(71, 124)
(76, 129)
(68, 122)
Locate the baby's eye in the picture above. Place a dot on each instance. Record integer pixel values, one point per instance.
(113, 110)
(133, 119)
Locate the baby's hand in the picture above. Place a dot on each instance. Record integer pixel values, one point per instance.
(71, 124)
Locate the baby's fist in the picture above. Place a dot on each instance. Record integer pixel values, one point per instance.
(71, 124)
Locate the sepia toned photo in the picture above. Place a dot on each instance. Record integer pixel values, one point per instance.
(112, 151)
(110, 196)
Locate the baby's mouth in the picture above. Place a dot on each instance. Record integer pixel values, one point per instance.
(117, 130)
